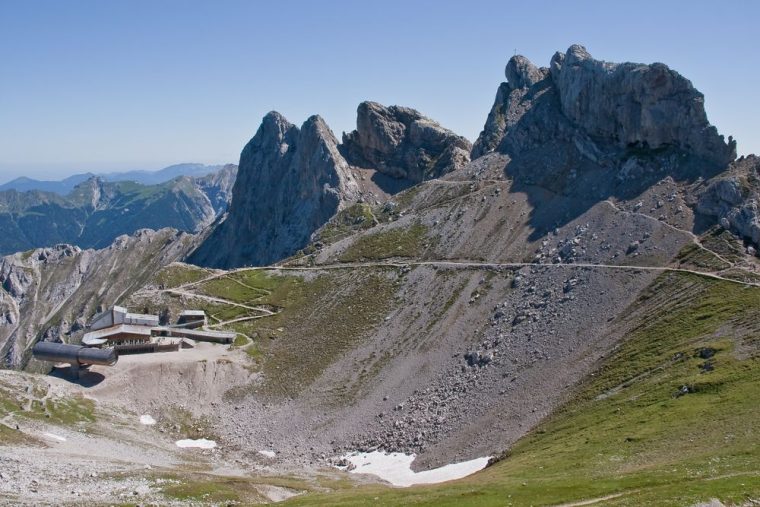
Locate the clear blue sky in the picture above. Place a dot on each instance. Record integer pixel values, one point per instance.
(109, 84)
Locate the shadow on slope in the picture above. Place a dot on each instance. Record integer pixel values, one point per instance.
(86, 378)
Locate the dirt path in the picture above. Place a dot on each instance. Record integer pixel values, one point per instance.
(217, 300)
(592, 501)
(465, 264)
(484, 265)
(241, 319)
(454, 264)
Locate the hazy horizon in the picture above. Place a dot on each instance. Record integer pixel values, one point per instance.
(104, 87)
(64, 171)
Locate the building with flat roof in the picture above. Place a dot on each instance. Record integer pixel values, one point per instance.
(119, 315)
(136, 333)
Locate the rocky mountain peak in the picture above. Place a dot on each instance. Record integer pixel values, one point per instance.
(402, 143)
(321, 158)
(624, 105)
(636, 104)
(290, 182)
(521, 73)
(275, 133)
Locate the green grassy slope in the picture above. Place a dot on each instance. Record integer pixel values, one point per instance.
(670, 418)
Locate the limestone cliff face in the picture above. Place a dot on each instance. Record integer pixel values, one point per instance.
(290, 182)
(402, 143)
(626, 105)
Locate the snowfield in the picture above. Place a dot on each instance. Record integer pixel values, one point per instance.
(396, 468)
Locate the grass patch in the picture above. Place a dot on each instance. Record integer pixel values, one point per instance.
(215, 490)
(249, 287)
(240, 341)
(66, 411)
(724, 244)
(12, 436)
(320, 318)
(175, 275)
(395, 242)
(358, 217)
(693, 257)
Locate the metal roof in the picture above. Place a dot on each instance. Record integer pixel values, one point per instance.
(119, 329)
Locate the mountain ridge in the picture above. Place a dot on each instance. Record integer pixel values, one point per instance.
(97, 211)
(66, 185)
(280, 209)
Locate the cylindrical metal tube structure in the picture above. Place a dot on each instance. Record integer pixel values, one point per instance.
(63, 353)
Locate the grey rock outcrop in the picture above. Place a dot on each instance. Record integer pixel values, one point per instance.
(290, 182)
(733, 199)
(636, 104)
(402, 143)
(521, 73)
(625, 105)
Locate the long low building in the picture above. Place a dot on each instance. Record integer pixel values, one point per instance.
(119, 315)
(121, 334)
(200, 335)
(138, 333)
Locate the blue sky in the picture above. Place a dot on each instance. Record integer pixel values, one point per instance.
(110, 85)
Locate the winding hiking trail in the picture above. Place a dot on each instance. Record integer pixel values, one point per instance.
(468, 264)
(592, 501)
(455, 264)
(185, 290)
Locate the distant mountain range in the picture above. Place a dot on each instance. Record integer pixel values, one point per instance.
(95, 211)
(66, 185)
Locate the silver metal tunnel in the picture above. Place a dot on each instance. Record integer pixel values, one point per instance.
(76, 355)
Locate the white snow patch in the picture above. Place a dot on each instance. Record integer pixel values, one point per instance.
(268, 454)
(147, 420)
(201, 443)
(396, 468)
(54, 437)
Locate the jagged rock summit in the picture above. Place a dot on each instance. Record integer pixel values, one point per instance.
(402, 143)
(626, 104)
(290, 182)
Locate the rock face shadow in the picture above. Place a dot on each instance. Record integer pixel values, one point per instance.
(565, 190)
(564, 172)
(87, 379)
(391, 185)
(583, 131)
